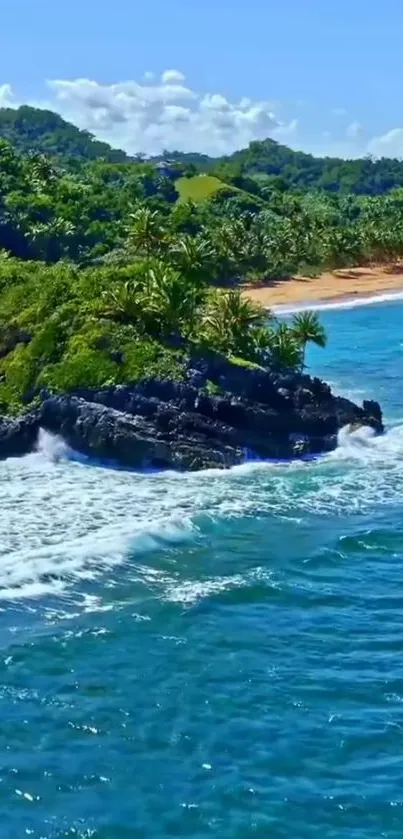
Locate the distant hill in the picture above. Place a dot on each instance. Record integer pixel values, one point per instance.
(304, 171)
(273, 164)
(263, 164)
(36, 130)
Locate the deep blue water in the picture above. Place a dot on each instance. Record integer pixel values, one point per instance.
(211, 655)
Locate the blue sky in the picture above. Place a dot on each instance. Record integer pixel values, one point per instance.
(319, 75)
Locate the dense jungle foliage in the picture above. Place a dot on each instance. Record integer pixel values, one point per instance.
(110, 273)
(35, 129)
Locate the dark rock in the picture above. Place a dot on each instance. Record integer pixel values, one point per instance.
(372, 409)
(104, 432)
(196, 379)
(178, 425)
(18, 436)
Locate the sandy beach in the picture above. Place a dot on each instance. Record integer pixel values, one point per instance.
(342, 285)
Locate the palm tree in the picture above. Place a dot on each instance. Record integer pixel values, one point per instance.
(230, 321)
(306, 328)
(171, 300)
(43, 174)
(146, 232)
(230, 239)
(123, 302)
(285, 349)
(192, 255)
(52, 238)
(262, 340)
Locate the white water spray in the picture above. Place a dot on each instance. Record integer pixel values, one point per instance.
(65, 522)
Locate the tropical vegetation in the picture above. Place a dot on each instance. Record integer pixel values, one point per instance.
(64, 327)
(110, 272)
(269, 163)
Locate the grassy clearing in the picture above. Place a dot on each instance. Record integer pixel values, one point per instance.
(199, 187)
(202, 187)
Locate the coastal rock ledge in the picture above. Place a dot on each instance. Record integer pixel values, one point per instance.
(220, 416)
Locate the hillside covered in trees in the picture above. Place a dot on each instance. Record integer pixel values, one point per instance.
(110, 272)
(49, 212)
(298, 170)
(262, 165)
(45, 132)
(269, 163)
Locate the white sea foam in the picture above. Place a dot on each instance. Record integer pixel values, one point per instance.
(364, 445)
(52, 447)
(190, 591)
(64, 522)
(349, 303)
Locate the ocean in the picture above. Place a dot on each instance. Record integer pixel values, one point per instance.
(216, 654)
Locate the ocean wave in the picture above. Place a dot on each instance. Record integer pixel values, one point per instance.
(350, 303)
(188, 592)
(65, 523)
(363, 444)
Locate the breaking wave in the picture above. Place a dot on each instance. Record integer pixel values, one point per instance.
(65, 519)
(346, 303)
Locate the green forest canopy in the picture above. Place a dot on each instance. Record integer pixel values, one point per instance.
(43, 131)
(37, 130)
(269, 162)
(113, 271)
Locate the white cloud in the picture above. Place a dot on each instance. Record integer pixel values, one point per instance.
(172, 77)
(287, 130)
(151, 115)
(167, 113)
(339, 112)
(387, 145)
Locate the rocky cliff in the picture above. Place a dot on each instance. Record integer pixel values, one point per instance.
(255, 413)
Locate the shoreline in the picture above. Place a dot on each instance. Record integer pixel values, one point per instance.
(341, 289)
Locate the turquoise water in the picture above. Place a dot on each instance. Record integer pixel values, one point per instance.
(210, 655)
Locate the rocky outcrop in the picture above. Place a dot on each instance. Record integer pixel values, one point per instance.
(18, 436)
(158, 423)
(166, 438)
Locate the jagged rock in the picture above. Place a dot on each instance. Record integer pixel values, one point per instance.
(177, 424)
(109, 434)
(372, 409)
(18, 435)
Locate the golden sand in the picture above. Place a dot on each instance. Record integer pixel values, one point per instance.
(337, 286)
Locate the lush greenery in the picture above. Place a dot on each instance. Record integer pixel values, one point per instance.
(37, 130)
(109, 272)
(269, 162)
(63, 327)
(266, 163)
(49, 213)
(198, 187)
(52, 213)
